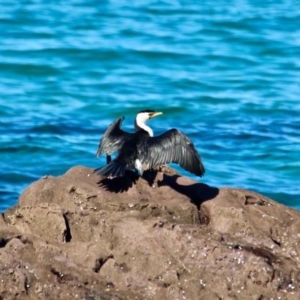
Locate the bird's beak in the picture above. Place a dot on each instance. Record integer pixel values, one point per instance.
(156, 114)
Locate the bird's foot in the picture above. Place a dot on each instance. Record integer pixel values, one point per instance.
(108, 159)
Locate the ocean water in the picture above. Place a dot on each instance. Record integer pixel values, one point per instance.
(227, 74)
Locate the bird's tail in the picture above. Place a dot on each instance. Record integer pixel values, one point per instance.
(113, 169)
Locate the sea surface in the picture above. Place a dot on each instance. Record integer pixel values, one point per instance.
(225, 73)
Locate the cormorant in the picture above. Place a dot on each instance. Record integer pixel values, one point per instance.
(142, 148)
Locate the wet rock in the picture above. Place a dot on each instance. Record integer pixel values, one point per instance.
(167, 237)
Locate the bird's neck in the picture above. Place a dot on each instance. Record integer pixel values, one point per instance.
(142, 126)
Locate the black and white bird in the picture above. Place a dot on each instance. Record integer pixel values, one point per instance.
(143, 149)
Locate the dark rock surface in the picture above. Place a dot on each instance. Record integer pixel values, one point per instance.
(79, 237)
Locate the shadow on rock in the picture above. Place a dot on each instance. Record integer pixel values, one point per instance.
(150, 176)
(197, 192)
(119, 184)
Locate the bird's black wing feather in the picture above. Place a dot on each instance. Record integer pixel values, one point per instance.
(113, 138)
(171, 147)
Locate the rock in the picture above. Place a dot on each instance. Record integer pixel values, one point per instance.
(84, 237)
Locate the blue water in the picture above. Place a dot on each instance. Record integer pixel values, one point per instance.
(225, 73)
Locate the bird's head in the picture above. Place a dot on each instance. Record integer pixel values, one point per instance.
(142, 117)
(145, 115)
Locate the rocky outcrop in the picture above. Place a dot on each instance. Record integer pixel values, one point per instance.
(79, 236)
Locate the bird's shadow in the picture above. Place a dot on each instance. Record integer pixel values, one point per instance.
(197, 192)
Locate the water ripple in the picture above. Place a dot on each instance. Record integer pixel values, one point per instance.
(226, 75)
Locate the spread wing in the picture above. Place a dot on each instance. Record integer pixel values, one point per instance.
(171, 147)
(113, 138)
